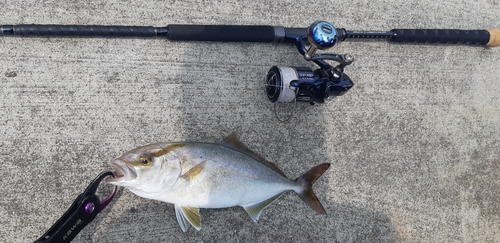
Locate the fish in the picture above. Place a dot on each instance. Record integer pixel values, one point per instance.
(196, 175)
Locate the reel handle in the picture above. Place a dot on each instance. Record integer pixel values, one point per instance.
(490, 38)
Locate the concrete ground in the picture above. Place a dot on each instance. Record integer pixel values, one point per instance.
(414, 146)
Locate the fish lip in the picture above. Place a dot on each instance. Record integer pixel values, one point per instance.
(122, 171)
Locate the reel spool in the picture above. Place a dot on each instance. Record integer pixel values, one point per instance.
(302, 84)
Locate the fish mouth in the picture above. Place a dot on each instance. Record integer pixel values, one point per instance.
(122, 171)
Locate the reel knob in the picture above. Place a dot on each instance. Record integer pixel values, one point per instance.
(321, 35)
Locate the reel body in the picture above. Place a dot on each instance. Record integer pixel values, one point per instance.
(302, 84)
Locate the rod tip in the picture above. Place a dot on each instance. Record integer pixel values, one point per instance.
(494, 38)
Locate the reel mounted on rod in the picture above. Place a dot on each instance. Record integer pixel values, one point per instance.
(302, 84)
(291, 84)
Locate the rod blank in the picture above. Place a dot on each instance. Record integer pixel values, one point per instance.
(247, 33)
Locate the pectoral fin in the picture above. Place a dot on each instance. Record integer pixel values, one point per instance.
(193, 172)
(254, 210)
(187, 214)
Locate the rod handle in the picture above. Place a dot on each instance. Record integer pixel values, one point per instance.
(226, 33)
(489, 38)
(79, 30)
(494, 37)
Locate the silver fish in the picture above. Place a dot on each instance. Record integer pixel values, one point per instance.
(209, 175)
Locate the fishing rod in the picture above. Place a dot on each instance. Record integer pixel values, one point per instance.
(283, 83)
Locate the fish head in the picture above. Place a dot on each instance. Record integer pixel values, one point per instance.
(147, 171)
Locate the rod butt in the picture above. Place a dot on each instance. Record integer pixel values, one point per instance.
(494, 38)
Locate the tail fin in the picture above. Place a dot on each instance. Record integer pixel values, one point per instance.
(306, 181)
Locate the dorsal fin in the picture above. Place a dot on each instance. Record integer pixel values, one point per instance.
(234, 143)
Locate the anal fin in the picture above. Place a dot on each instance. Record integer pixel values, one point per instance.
(254, 210)
(187, 214)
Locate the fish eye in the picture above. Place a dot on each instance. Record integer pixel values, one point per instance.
(145, 160)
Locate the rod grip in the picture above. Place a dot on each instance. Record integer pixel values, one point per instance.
(227, 33)
(84, 30)
(494, 38)
(443, 36)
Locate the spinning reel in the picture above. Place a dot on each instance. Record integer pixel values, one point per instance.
(302, 84)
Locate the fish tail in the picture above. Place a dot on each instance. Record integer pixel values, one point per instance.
(306, 182)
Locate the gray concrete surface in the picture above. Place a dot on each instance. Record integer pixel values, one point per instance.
(414, 146)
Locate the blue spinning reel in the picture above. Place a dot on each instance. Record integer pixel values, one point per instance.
(302, 84)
